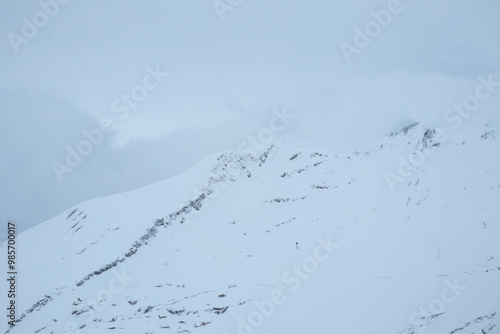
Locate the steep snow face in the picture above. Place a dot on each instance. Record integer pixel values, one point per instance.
(399, 239)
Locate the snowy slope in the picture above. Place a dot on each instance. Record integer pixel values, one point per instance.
(294, 240)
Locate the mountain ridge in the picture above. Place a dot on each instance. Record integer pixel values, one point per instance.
(252, 220)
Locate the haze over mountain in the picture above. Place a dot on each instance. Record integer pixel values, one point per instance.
(264, 166)
(225, 78)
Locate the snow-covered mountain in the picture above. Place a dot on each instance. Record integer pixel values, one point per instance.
(403, 238)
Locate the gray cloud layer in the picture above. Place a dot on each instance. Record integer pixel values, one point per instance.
(224, 79)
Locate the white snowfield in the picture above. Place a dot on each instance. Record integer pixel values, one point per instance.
(292, 240)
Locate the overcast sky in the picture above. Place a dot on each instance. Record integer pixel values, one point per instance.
(227, 71)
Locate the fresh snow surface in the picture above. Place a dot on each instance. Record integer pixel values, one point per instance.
(292, 240)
